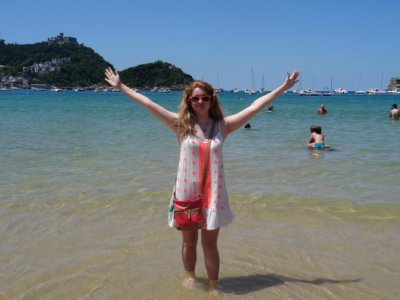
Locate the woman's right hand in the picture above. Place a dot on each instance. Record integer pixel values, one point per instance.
(113, 78)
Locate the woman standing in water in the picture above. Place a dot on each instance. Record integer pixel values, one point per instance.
(192, 124)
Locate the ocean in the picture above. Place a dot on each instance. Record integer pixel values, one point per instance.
(86, 179)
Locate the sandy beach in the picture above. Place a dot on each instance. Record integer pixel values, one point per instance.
(123, 250)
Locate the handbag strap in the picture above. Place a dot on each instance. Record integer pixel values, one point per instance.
(210, 136)
(207, 157)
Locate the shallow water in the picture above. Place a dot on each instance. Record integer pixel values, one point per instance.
(86, 180)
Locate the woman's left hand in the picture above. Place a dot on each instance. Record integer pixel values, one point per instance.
(291, 79)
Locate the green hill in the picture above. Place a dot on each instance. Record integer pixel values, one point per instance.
(157, 74)
(82, 65)
(62, 62)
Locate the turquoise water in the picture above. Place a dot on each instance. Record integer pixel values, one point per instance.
(102, 143)
(86, 178)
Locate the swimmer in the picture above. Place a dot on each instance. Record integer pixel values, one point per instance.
(394, 112)
(317, 139)
(322, 110)
(247, 126)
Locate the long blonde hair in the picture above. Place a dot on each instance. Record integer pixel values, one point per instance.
(187, 117)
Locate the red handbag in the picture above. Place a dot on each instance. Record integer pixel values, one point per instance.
(188, 214)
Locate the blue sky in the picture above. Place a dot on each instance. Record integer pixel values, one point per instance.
(354, 43)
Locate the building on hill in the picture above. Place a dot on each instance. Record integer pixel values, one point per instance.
(43, 68)
(61, 40)
(394, 84)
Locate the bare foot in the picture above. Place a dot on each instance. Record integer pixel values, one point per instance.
(188, 282)
(213, 286)
(214, 292)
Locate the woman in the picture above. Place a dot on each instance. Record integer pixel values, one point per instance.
(199, 109)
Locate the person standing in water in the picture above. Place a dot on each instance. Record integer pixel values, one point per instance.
(394, 112)
(199, 108)
(317, 139)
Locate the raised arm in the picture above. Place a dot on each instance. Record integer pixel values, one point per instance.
(234, 122)
(165, 116)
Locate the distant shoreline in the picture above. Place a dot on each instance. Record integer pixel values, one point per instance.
(101, 88)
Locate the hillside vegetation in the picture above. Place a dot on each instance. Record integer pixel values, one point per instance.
(81, 66)
(86, 67)
(157, 74)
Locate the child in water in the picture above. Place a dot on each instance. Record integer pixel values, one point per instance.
(317, 139)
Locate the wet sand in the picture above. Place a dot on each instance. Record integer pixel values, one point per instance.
(102, 249)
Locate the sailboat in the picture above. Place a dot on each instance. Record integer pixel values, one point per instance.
(360, 91)
(327, 92)
(252, 90)
(262, 89)
(218, 89)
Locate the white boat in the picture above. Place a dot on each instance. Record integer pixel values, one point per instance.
(360, 92)
(340, 91)
(308, 92)
(376, 91)
(394, 92)
(235, 90)
(326, 92)
(56, 89)
(250, 91)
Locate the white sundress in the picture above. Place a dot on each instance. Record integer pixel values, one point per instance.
(216, 209)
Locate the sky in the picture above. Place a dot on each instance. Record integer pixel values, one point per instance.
(352, 44)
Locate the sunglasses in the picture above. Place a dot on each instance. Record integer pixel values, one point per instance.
(195, 99)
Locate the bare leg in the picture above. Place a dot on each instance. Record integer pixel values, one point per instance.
(209, 239)
(189, 255)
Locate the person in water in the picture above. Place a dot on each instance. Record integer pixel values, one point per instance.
(199, 109)
(394, 112)
(270, 108)
(322, 110)
(317, 139)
